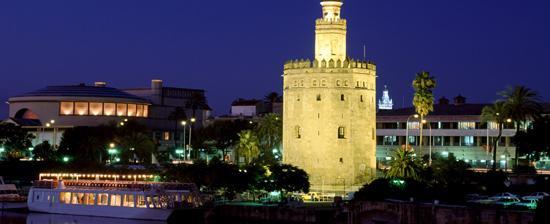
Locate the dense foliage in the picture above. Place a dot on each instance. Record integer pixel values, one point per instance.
(229, 180)
(133, 143)
(15, 141)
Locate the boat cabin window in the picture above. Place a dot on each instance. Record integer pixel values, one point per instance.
(102, 199)
(89, 199)
(77, 198)
(141, 201)
(128, 200)
(65, 197)
(115, 200)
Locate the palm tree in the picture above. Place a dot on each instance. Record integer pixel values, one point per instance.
(423, 100)
(523, 105)
(248, 146)
(404, 165)
(272, 97)
(498, 113)
(270, 133)
(196, 102)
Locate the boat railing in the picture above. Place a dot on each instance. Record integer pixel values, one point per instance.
(141, 186)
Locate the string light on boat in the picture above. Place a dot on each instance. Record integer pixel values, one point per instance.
(141, 177)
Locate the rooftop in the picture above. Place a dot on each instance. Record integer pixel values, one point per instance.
(81, 91)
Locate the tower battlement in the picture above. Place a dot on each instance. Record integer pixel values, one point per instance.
(339, 22)
(348, 63)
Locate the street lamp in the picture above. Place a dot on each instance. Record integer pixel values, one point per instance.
(111, 151)
(180, 152)
(430, 126)
(190, 131)
(184, 123)
(407, 130)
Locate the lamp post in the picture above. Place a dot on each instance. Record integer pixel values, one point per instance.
(190, 131)
(112, 151)
(184, 123)
(430, 156)
(407, 130)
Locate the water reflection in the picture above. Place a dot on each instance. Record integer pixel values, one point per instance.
(41, 218)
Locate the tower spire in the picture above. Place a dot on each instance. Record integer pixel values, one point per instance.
(330, 32)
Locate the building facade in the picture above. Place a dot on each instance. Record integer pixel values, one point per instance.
(454, 128)
(329, 108)
(49, 111)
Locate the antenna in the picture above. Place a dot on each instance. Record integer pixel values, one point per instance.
(364, 52)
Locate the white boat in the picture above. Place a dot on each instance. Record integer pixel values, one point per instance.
(110, 198)
(40, 218)
(10, 198)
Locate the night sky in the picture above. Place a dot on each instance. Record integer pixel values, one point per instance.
(237, 48)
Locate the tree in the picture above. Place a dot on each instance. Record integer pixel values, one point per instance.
(288, 178)
(45, 151)
(404, 165)
(221, 135)
(423, 100)
(86, 144)
(497, 113)
(248, 146)
(523, 104)
(135, 142)
(15, 140)
(534, 141)
(196, 102)
(270, 133)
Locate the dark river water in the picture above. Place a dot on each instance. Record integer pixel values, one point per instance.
(41, 218)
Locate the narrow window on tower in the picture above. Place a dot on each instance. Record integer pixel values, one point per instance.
(341, 132)
(361, 98)
(342, 97)
(297, 132)
(318, 97)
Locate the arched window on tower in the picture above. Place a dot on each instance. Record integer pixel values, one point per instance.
(341, 132)
(297, 132)
(318, 97)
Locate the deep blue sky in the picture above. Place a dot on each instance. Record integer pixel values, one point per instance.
(237, 48)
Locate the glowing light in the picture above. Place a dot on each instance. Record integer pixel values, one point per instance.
(65, 159)
(2, 149)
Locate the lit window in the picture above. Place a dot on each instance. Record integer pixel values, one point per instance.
(341, 132)
(121, 109)
(297, 132)
(145, 111)
(66, 108)
(139, 111)
(115, 200)
(466, 125)
(109, 109)
(166, 136)
(96, 109)
(131, 110)
(81, 108)
(128, 200)
(102, 199)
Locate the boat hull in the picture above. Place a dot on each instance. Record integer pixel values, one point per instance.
(104, 211)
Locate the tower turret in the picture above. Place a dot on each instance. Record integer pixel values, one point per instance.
(330, 33)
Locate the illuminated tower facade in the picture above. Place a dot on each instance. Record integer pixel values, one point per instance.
(386, 103)
(329, 111)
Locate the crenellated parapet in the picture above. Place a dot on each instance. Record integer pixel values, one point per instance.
(348, 63)
(335, 21)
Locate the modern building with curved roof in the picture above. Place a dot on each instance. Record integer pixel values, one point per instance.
(76, 105)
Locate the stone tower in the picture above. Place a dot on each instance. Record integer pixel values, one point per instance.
(329, 126)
